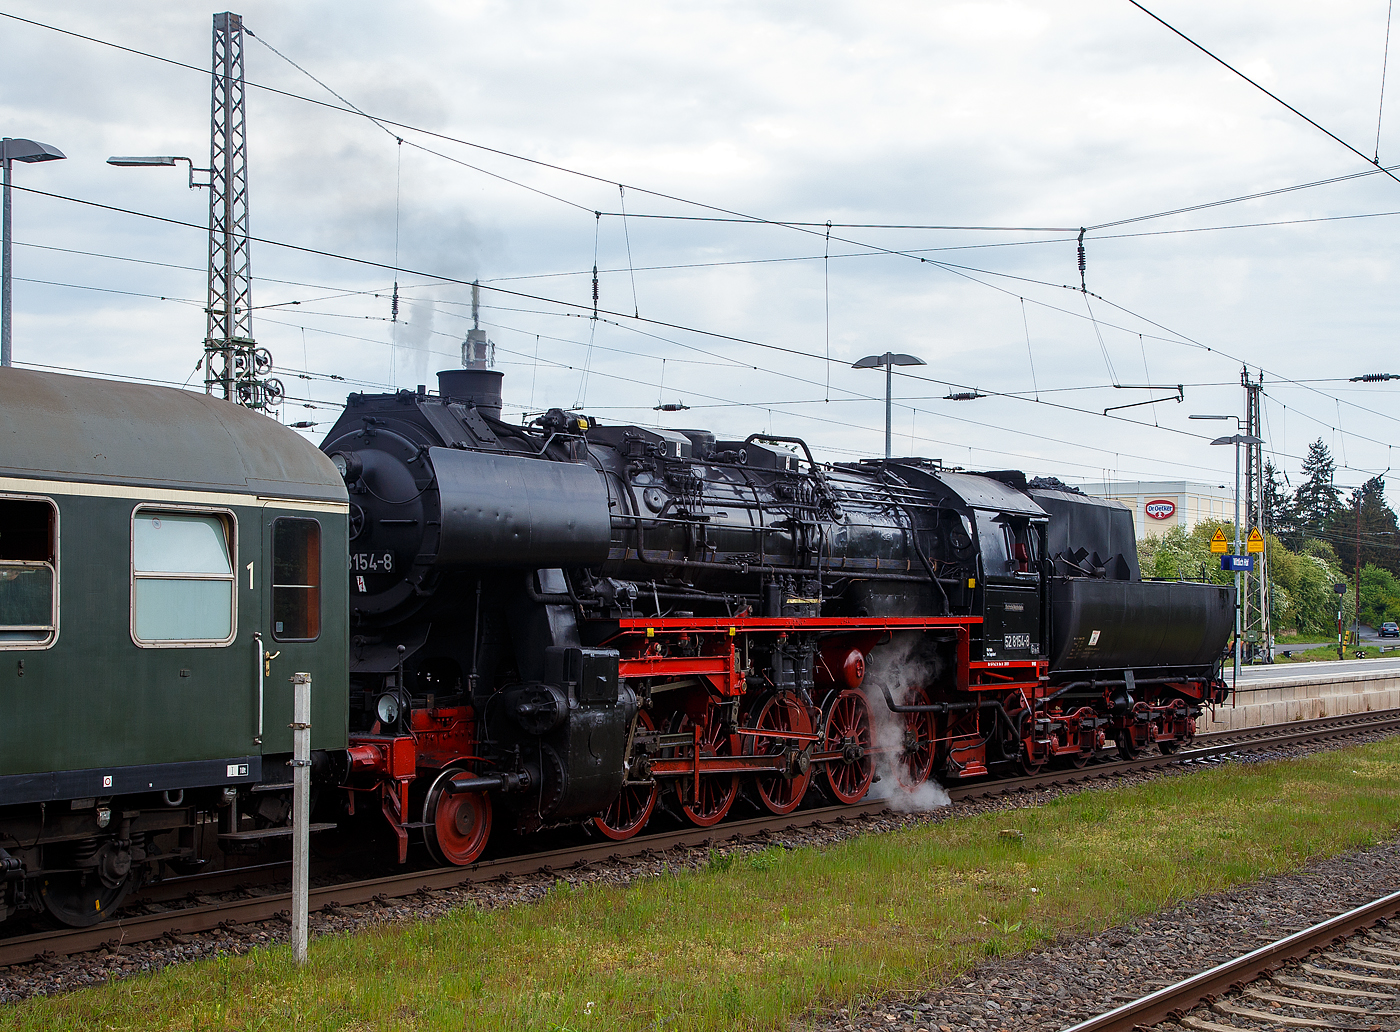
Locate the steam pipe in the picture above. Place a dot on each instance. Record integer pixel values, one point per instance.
(1122, 682)
(943, 707)
(553, 598)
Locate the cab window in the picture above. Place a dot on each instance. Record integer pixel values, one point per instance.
(28, 572)
(296, 580)
(182, 577)
(1009, 546)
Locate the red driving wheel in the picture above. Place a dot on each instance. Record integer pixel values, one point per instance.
(920, 734)
(716, 792)
(779, 714)
(848, 731)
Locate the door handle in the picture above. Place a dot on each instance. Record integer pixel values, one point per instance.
(263, 665)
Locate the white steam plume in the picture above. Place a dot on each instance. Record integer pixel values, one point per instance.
(413, 336)
(898, 666)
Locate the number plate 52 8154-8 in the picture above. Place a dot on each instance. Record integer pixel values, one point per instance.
(1018, 641)
(371, 562)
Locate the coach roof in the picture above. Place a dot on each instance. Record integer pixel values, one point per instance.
(75, 428)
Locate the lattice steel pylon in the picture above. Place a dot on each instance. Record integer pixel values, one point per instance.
(233, 363)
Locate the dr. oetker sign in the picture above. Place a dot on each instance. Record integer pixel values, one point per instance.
(1160, 508)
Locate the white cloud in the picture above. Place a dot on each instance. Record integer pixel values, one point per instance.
(995, 113)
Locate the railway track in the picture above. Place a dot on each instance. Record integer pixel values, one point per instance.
(273, 904)
(1353, 985)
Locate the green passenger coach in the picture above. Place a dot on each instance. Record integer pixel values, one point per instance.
(167, 561)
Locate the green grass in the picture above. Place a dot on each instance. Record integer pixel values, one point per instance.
(752, 941)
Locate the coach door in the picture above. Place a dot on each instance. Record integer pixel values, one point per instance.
(292, 614)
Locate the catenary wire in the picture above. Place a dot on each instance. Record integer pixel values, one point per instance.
(1263, 90)
(956, 270)
(383, 122)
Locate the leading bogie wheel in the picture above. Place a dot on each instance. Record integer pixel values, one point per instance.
(456, 826)
(629, 812)
(778, 713)
(848, 731)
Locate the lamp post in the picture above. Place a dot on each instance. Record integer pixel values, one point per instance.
(157, 160)
(1237, 440)
(887, 361)
(12, 150)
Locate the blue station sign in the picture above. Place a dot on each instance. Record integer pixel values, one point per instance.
(1237, 563)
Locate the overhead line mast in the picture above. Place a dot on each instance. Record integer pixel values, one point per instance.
(233, 363)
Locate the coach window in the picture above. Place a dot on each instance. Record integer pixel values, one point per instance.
(182, 577)
(296, 580)
(28, 573)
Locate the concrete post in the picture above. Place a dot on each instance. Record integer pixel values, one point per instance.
(301, 816)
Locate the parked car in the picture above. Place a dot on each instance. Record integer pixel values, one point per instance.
(1390, 629)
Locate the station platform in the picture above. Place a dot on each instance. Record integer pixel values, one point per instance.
(1270, 697)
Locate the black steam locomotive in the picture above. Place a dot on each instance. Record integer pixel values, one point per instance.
(571, 621)
(560, 623)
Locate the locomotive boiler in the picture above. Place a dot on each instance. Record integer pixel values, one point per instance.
(576, 622)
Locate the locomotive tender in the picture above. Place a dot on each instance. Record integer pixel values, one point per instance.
(556, 624)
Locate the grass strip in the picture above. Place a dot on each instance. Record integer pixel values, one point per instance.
(1328, 653)
(755, 940)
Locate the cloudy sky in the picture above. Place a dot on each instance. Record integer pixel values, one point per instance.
(738, 130)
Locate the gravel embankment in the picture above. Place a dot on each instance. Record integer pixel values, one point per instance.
(1074, 979)
(1078, 978)
(1070, 970)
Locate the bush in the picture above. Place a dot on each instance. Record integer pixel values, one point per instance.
(1300, 583)
(1380, 595)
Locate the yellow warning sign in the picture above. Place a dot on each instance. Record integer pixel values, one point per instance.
(1218, 543)
(1256, 541)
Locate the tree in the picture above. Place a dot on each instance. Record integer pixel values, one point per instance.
(1317, 499)
(1369, 536)
(1278, 514)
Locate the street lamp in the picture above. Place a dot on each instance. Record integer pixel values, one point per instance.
(887, 361)
(157, 160)
(11, 151)
(1237, 440)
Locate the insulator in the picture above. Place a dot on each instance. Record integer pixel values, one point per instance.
(1375, 377)
(394, 304)
(1082, 263)
(595, 286)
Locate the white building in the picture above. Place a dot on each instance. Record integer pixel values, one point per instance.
(1160, 505)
